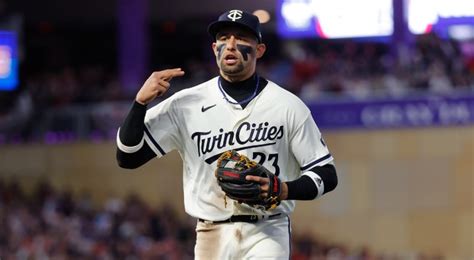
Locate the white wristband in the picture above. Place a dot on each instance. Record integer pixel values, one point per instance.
(128, 149)
(317, 180)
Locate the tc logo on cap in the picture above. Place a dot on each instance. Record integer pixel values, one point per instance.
(234, 15)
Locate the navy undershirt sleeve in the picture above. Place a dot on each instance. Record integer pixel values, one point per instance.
(131, 134)
(132, 129)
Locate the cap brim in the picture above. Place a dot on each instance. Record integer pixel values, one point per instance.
(216, 26)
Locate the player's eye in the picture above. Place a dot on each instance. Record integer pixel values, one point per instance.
(222, 37)
(244, 37)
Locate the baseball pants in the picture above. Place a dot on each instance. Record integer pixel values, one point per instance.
(266, 239)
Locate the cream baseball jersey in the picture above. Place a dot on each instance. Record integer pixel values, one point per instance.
(275, 129)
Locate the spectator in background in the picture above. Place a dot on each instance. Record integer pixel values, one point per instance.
(16, 116)
(312, 69)
(53, 224)
(438, 80)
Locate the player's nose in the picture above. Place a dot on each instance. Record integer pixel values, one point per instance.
(231, 43)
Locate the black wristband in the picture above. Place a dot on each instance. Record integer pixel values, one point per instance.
(304, 188)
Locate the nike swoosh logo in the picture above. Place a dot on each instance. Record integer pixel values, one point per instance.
(204, 109)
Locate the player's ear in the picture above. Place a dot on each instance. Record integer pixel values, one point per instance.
(261, 48)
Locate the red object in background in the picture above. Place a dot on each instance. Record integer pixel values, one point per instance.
(470, 65)
(169, 27)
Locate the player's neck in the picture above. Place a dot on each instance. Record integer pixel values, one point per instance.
(243, 91)
(242, 85)
(236, 79)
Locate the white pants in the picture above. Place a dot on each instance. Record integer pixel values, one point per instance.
(266, 239)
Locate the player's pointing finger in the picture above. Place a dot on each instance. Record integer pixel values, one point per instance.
(171, 73)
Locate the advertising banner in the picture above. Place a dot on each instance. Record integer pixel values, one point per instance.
(419, 112)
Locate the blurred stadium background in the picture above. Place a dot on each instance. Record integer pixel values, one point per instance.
(390, 83)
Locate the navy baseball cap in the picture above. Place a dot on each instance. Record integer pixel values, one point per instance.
(236, 18)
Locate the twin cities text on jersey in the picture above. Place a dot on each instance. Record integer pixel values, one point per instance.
(246, 133)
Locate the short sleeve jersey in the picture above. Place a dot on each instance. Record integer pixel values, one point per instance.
(276, 129)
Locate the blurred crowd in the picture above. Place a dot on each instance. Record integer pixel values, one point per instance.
(51, 224)
(311, 69)
(64, 66)
(366, 70)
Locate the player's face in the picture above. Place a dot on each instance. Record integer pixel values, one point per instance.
(236, 52)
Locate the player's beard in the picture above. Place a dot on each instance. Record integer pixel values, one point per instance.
(233, 69)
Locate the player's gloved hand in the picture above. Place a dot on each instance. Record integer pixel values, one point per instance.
(261, 189)
(156, 85)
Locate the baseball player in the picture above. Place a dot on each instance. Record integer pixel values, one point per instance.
(242, 111)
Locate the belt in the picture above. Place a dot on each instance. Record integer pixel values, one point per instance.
(241, 218)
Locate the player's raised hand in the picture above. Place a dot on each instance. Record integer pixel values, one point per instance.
(157, 84)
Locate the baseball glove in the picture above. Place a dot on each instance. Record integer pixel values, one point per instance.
(232, 168)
